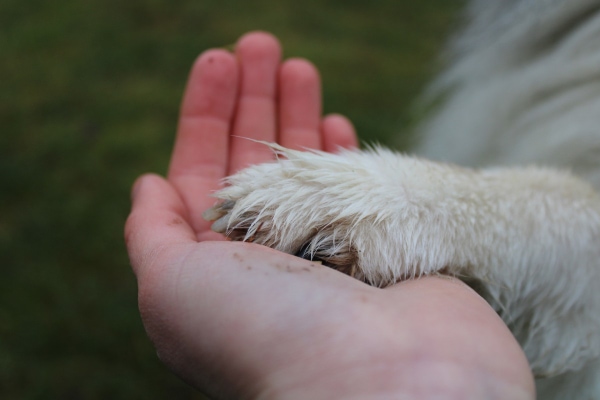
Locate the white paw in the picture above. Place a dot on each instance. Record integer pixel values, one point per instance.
(314, 205)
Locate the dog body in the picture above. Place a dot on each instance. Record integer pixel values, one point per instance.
(520, 216)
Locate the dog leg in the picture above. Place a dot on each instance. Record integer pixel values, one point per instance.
(529, 237)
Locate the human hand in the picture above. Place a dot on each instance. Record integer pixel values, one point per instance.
(238, 320)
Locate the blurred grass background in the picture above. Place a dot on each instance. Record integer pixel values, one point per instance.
(89, 96)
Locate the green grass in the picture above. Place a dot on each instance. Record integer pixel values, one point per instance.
(89, 92)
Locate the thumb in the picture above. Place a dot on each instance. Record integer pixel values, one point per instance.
(158, 220)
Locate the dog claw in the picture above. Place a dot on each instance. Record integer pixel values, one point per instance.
(220, 225)
(227, 205)
(218, 211)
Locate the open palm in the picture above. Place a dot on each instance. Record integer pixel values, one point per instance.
(238, 320)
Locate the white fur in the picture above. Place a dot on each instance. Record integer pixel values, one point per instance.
(523, 88)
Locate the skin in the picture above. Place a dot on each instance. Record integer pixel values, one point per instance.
(241, 321)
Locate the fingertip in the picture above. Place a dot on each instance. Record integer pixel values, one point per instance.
(214, 61)
(338, 132)
(152, 192)
(141, 183)
(259, 41)
(211, 55)
(144, 185)
(299, 70)
(214, 75)
(259, 45)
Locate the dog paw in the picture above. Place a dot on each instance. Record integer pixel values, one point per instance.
(317, 206)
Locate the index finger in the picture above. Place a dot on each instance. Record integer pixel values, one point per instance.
(200, 155)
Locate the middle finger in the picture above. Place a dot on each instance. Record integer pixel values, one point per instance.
(259, 55)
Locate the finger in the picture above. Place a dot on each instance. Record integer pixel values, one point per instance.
(338, 132)
(259, 54)
(300, 105)
(200, 155)
(157, 221)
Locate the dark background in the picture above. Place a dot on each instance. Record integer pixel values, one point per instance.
(89, 95)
